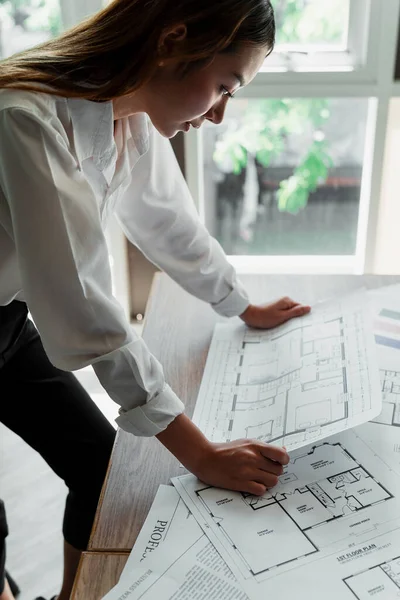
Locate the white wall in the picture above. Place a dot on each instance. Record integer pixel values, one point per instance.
(387, 257)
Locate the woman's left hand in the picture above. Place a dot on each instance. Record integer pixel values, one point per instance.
(273, 314)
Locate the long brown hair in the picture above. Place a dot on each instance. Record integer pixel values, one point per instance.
(115, 51)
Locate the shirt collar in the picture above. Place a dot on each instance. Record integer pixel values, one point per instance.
(93, 123)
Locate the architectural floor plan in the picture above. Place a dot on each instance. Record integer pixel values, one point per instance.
(383, 432)
(319, 487)
(328, 388)
(390, 382)
(381, 581)
(332, 496)
(300, 382)
(173, 559)
(386, 326)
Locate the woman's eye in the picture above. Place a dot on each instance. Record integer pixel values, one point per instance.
(226, 92)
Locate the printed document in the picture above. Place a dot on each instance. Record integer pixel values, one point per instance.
(335, 502)
(383, 432)
(298, 383)
(174, 560)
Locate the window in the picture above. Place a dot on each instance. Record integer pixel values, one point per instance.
(74, 11)
(336, 54)
(283, 176)
(324, 36)
(26, 23)
(319, 24)
(292, 178)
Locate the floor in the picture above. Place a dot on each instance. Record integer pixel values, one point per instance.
(34, 498)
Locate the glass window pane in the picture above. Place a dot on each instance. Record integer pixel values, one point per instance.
(311, 22)
(283, 176)
(26, 23)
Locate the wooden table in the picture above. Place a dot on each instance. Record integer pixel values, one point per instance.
(98, 573)
(178, 331)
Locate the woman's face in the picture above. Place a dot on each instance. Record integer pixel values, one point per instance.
(175, 103)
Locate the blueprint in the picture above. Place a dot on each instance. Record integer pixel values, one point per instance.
(363, 571)
(386, 312)
(196, 574)
(333, 496)
(385, 441)
(303, 381)
(390, 414)
(168, 518)
(380, 581)
(386, 326)
(383, 432)
(173, 559)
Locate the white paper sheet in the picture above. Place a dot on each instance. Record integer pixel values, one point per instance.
(383, 432)
(369, 571)
(173, 559)
(386, 327)
(301, 382)
(169, 528)
(331, 527)
(333, 497)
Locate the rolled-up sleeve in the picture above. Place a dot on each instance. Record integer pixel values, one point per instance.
(157, 214)
(64, 266)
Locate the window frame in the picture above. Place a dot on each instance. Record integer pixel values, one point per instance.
(74, 11)
(365, 69)
(373, 39)
(357, 63)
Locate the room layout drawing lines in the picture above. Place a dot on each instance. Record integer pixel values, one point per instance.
(279, 392)
(292, 385)
(380, 581)
(318, 488)
(390, 414)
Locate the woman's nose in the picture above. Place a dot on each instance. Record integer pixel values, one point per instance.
(217, 112)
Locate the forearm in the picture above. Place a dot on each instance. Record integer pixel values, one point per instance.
(245, 465)
(186, 442)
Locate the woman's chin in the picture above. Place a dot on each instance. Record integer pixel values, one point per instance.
(167, 130)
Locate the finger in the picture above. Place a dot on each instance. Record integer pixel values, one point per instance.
(257, 489)
(286, 303)
(274, 453)
(267, 479)
(270, 466)
(297, 311)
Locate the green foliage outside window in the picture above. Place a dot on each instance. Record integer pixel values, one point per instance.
(35, 15)
(267, 124)
(310, 21)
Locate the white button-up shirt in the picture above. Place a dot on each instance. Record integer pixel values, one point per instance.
(62, 172)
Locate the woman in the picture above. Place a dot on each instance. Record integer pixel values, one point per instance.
(84, 127)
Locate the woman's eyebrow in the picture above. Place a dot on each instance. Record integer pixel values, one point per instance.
(240, 79)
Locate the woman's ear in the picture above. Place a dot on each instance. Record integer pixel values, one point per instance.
(170, 39)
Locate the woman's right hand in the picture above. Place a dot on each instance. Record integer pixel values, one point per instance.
(243, 465)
